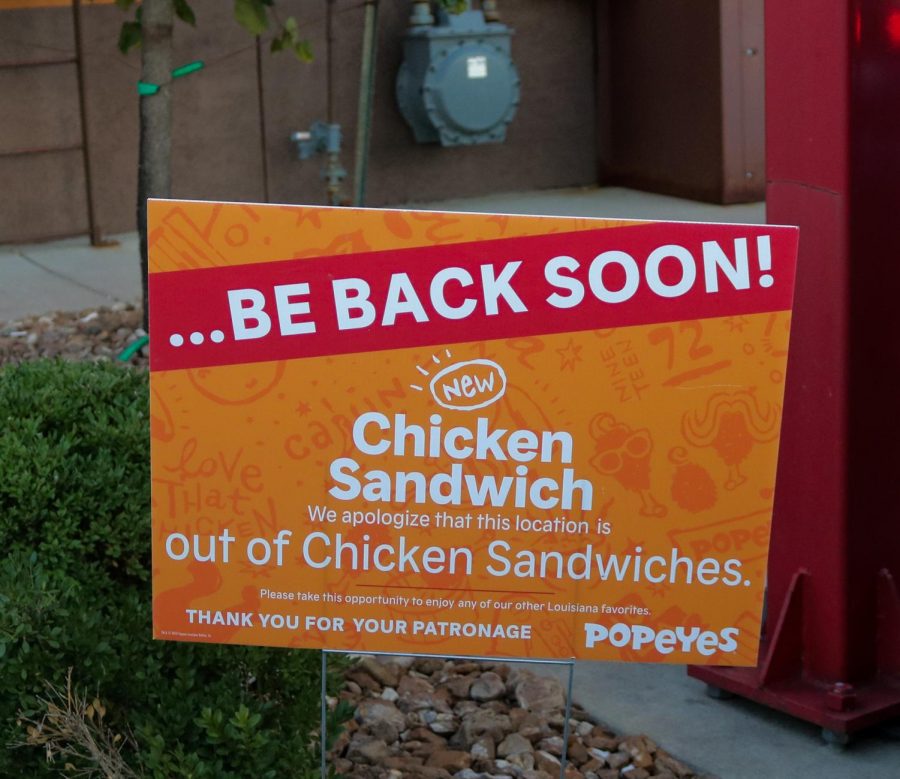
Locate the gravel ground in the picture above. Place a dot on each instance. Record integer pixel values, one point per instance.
(93, 334)
(432, 718)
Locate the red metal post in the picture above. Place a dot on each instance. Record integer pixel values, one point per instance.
(831, 654)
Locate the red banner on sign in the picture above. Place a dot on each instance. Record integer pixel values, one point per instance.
(537, 285)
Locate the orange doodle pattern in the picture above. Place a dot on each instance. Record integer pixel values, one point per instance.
(674, 427)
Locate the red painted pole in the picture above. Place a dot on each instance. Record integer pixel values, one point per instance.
(831, 653)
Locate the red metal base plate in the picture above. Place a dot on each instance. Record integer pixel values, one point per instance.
(865, 706)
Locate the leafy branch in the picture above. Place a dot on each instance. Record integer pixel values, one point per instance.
(454, 6)
(256, 16)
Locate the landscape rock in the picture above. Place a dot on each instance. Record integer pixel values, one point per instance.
(547, 762)
(483, 749)
(403, 763)
(577, 752)
(428, 665)
(416, 694)
(514, 744)
(443, 723)
(483, 723)
(463, 708)
(362, 680)
(488, 687)
(522, 760)
(427, 736)
(450, 760)
(367, 749)
(540, 694)
(387, 674)
(389, 694)
(553, 745)
(381, 718)
(459, 686)
(618, 760)
(420, 749)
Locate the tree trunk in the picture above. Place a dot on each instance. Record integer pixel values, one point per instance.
(154, 164)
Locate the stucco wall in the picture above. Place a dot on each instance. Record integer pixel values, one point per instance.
(217, 150)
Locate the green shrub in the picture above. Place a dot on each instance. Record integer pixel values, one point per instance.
(74, 458)
(75, 593)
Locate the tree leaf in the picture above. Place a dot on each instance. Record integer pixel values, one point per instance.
(184, 12)
(453, 6)
(251, 15)
(124, 4)
(303, 51)
(129, 36)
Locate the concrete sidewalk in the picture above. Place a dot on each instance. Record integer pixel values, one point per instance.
(733, 739)
(71, 275)
(68, 275)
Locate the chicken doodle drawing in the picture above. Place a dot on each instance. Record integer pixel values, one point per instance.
(693, 489)
(624, 454)
(732, 423)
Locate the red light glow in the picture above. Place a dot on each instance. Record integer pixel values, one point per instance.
(893, 27)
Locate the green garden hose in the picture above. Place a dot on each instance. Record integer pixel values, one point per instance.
(129, 351)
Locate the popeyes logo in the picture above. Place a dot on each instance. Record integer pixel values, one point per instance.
(463, 386)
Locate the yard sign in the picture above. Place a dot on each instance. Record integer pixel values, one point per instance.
(462, 433)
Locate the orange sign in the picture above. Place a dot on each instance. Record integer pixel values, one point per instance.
(464, 434)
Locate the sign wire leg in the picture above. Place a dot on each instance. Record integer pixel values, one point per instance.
(568, 715)
(323, 735)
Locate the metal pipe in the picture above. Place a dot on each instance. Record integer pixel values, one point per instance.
(563, 759)
(329, 61)
(421, 15)
(96, 239)
(364, 112)
(261, 103)
(334, 173)
(491, 11)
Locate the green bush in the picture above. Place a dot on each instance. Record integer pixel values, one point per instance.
(75, 594)
(74, 458)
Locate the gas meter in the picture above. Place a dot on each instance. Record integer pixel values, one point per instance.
(458, 84)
